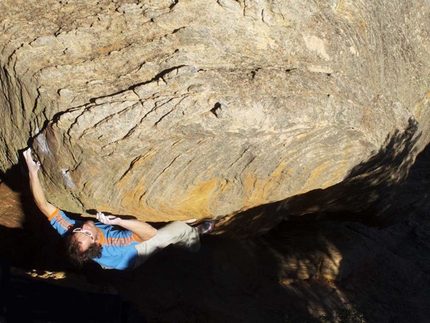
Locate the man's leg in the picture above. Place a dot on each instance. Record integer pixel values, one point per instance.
(176, 233)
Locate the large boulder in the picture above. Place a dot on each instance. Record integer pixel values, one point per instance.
(221, 109)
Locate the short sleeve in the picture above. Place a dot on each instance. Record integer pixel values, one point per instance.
(61, 222)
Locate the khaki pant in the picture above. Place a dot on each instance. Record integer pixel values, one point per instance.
(177, 233)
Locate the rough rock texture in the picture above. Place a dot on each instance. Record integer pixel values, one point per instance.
(224, 109)
(295, 273)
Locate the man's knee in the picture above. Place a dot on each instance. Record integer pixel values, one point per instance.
(179, 233)
(178, 228)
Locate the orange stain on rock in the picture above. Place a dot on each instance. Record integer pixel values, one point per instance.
(339, 174)
(316, 175)
(259, 191)
(200, 198)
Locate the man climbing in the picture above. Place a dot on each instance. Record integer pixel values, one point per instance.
(112, 242)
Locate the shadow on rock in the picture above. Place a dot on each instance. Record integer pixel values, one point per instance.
(369, 194)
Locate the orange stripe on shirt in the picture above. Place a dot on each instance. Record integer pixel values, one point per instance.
(53, 214)
(101, 236)
(63, 222)
(119, 241)
(135, 237)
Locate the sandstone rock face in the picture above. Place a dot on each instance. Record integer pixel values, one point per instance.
(211, 109)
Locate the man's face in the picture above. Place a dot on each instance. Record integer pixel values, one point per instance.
(84, 240)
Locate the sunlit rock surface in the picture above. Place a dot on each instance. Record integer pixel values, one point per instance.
(244, 111)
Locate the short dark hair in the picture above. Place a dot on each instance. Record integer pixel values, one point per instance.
(78, 257)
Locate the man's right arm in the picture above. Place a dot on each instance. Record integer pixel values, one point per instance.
(143, 230)
(35, 185)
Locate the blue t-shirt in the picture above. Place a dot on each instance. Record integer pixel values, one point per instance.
(118, 244)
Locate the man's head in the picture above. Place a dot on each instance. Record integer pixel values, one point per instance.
(83, 243)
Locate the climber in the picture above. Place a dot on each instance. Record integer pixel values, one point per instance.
(112, 242)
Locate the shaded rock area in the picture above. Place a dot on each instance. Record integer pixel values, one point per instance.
(169, 110)
(303, 270)
(25, 299)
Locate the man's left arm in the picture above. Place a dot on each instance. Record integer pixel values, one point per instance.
(142, 229)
